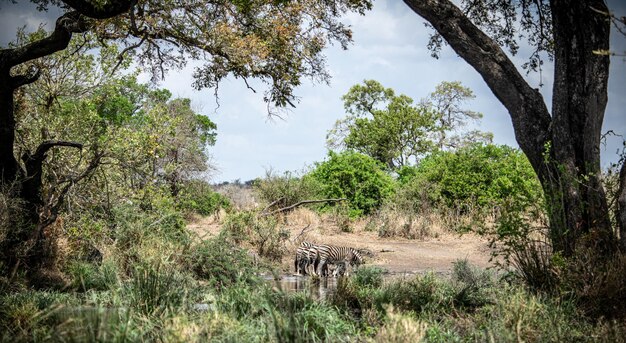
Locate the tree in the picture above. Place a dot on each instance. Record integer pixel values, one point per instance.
(445, 102)
(278, 42)
(383, 125)
(563, 145)
(396, 132)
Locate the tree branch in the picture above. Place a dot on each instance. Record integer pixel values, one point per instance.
(43, 148)
(71, 22)
(100, 11)
(303, 202)
(272, 204)
(18, 81)
(53, 206)
(530, 116)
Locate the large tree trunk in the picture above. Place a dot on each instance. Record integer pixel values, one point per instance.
(563, 148)
(28, 245)
(578, 105)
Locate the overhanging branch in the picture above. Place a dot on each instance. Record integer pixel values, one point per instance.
(96, 10)
(43, 148)
(530, 116)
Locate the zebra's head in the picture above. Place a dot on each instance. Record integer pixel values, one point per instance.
(357, 258)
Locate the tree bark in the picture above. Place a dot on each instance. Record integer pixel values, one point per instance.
(621, 207)
(564, 149)
(26, 180)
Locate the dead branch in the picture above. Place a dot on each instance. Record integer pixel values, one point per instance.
(303, 202)
(301, 233)
(272, 204)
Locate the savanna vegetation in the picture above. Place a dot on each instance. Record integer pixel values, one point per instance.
(101, 174)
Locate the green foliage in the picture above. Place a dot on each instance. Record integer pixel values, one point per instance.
(198, 197)
(479, 175)
(368, 276)
(446, 105)
(398, 133)
(357, 177)
(221, 263)
(380, 124)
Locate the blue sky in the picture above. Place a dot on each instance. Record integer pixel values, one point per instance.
(390, 47)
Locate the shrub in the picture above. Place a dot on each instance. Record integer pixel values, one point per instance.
(262, 232)
(357, 177)
(476, 176)
(156, 288)
(197, 196)
(369, 276)
(221, 263)
(287, 189)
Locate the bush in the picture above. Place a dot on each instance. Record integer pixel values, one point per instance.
(198, 197)
(357, 177)
(368, 276)
(478, 176)
(261, 232)
(221, 263)
(287, 189)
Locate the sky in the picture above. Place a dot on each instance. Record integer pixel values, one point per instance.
(390, 47)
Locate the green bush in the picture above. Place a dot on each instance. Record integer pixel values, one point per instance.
(368, 276)
(197, 196)
(474, 177)
(357, 177)
(221, 263)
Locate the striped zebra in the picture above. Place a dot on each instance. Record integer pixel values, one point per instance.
(306, 255)
(339, 256)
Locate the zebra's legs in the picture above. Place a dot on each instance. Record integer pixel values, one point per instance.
(320, 267)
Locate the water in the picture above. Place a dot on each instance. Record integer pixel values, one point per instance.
(318, 288)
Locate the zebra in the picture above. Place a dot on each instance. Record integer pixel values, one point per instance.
(306, 255)
(338, 256)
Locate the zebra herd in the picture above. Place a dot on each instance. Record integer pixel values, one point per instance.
(320, 256)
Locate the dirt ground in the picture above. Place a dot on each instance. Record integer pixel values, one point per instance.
(396, 255)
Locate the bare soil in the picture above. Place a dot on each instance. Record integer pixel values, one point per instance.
(396, 255)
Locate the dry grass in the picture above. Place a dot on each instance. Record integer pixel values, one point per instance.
(241, 196)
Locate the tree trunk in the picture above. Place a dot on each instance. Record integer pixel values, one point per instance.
(578, 105)
(8, 164)
(621, 207)
(27, 246)
(563, 148)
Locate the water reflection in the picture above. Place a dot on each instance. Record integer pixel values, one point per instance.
(318, 288)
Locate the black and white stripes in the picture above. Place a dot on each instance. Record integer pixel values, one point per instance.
(319, 256)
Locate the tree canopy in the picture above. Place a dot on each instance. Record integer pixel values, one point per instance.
(398, 132)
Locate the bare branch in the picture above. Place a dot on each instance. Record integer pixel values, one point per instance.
(303, 202)
(272, 204)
